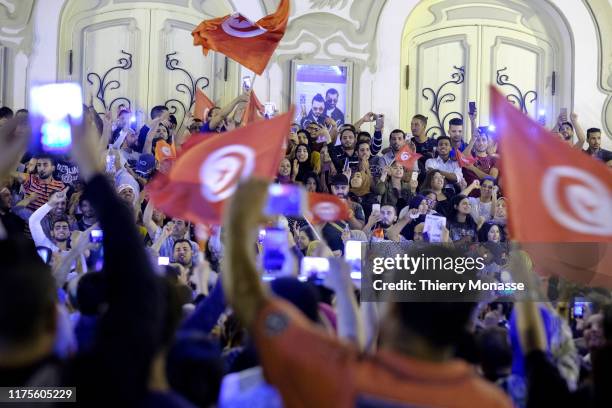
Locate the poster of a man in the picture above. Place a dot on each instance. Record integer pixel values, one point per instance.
(331, 109)
(323, 91)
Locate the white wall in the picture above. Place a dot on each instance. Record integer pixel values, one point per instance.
(379, 91)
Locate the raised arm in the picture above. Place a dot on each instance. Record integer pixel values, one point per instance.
(147, 220)
(222, 113)
(580, 134)
(241, 281)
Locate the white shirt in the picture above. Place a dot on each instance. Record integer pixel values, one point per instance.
(449, 166)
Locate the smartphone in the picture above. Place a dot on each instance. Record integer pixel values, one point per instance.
(415, 176)
(314, 269)
(285, 199)
(375, 207)
(352, 255)
(581, 305)
(246, 83)
(433, 227)
(346, 165)
(51, 106)
(472, 108)
(163, 260)
(379, 121)
(275, 245)
(564, 114)
(96, 236)
(270, 108)
(110, 163)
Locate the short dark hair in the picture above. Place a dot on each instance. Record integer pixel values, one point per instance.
(495, 351)
(339, 180)
(331, 91)
(6, 112)
(483, 232)
(398, 131)
(157, 110)
(444, 138)
(488, 178)
(592, 130)
(180, 241)
(348, 130)
(91, 293)
(424, 318)
(568, 124)
(27, 293)
(364, 134)
(45, 156)
(22, 111)
(455, 122)
(61, 218)
(318, 98)
(420, 117)
(362, 142)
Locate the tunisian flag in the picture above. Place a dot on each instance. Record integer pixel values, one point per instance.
(464, 161)
(250, 44)
(253, 111)
(406, 157)
(326, 208)
(560, 199)
(204, 176)
(202, 103)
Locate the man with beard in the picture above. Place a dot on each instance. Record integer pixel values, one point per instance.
(60, 227)
(332, 231)
(345, 151)
(183, 254)
(595, 150)
(127, 148)
(380, 221)
(332, 111)
(178, 231)
(13, 224)
(485, 164)
(41, 184)
(397, 140)
(566, 129)
(89, 214)
(317, 112)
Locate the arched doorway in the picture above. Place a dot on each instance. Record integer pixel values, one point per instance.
(140, 54)
(452, 51)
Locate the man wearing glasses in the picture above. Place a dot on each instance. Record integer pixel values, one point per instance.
(317, 112)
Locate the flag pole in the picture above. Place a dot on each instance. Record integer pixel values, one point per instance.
(314, 230)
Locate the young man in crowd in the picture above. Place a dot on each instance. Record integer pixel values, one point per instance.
(385, 225)
(41, 184)
(346, 151)
(414, 368)
(88, 212)
(332, 231)
(317, 112)
(331, 110)
(442, 162)
(156, 112)
(179, 231)
(594, 149)
(183, 253)
(379, 125)
(60, 227)
(566, 129)
(455, 132)
(217, 116)
(424, 145)
(397, 140)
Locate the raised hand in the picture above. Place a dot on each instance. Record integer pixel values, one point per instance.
(57, 197)
(14, 139)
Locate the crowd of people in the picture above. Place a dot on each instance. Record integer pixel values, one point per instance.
(102, 291)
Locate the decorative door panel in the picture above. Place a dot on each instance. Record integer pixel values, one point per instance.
(109, 60)
(521, 66)
(180, 67)
(439, 83)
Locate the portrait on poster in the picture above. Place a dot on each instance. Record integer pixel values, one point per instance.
(321, 90)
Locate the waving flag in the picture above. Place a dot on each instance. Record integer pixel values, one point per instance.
(560, 199)
(164, 151)
(406, 157)
(250, 44)
(253, 111)
(204, 176)
(464, 161)
(326, 208)
(202, 104)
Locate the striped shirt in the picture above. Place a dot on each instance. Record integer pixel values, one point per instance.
(35, 185)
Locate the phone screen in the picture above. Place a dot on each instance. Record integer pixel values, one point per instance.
(163, 260)
(433, 227)
(285, 199)
(375, 207)
(274, 248)
(352, 255)
(472, 107)
(51, 106)
(415, 175)
(246, 83)
(314, 268)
